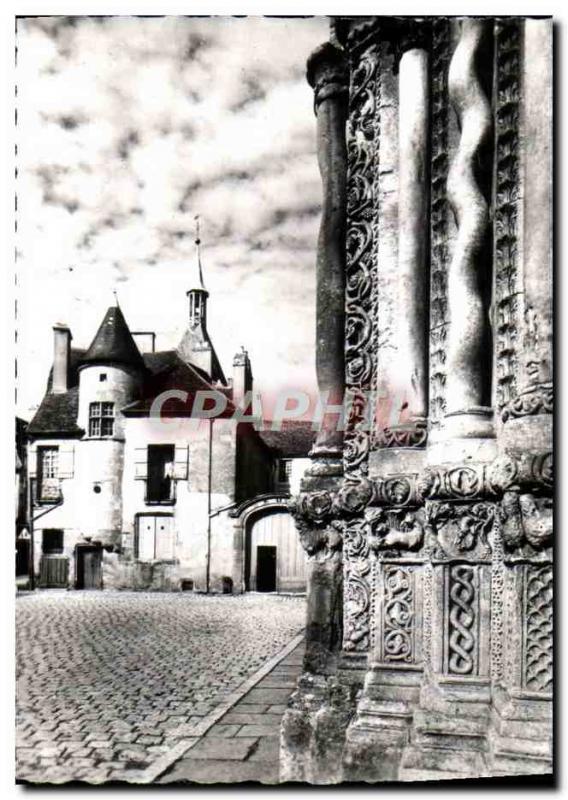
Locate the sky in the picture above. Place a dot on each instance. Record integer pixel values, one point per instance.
(129, 127)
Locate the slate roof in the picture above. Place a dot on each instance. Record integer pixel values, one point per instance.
(57, 413)
(293, 441)
(113, 342)
(168, 371)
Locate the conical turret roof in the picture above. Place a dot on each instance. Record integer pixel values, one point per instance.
(113, 342)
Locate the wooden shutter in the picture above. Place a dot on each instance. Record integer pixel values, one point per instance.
(141, 463)
(32, 461)
(165, 544)
(181, 463)
(146, 538)
(66, 460)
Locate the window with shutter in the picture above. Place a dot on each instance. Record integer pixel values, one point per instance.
(181, 463)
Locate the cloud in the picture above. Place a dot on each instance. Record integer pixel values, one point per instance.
(127, 128)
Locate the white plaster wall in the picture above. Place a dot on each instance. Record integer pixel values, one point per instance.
(190, 511)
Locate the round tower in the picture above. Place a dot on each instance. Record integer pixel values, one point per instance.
(110, 377)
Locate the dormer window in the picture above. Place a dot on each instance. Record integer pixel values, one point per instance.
(101, 420)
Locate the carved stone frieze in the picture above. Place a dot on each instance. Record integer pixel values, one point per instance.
(391, 533)
(460, 530)
(538, 400)
(412, 434)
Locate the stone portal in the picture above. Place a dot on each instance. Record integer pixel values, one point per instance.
(428, 524)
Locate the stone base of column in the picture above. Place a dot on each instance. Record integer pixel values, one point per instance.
(465, 435)
(449, 446)
(449, 733)
(520, 738)
(312, 733)
(376, 738)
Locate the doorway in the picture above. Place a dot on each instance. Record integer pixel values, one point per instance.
(265, 568)
(89, 561)
(273, 556)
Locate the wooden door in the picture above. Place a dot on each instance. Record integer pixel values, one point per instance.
(92, 569)
(276, 529)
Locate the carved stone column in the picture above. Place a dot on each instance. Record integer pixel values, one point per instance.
(328, 74)
(413, 118)
(468, 368)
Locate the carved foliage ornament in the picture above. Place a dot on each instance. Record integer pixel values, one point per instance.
(460, 529)
(361, 289)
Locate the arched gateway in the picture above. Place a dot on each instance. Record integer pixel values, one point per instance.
(272, 557)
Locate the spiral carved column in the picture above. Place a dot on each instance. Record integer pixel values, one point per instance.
(468, 355)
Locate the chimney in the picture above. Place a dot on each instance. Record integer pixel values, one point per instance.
(61, 352)
(242, 376)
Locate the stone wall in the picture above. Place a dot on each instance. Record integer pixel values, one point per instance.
(429, 533)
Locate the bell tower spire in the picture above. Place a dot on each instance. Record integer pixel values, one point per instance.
(198, 294)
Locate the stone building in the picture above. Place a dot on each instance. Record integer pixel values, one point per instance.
(429, 651)
(125, 500)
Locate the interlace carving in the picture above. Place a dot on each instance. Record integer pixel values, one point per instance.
(462, 616)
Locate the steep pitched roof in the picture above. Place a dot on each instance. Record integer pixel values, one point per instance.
(113, 342)
(293, 441)
(57, 413)
(166, 371)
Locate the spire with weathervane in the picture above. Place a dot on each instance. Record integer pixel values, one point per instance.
(198, 294)
(195, 347)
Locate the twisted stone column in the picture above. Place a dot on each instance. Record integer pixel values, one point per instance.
(468, 361)
(327, 73)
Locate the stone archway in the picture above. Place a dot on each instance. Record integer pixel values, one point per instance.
(268, 554)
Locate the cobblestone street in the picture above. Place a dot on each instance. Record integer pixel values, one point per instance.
(109, 682)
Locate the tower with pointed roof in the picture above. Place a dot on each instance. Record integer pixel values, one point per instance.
(196, 347)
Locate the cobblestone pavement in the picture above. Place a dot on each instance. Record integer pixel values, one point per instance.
(108, 682)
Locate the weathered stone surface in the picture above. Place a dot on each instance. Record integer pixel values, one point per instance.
(431, 656)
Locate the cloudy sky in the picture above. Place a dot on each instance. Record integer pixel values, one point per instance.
(127, 128)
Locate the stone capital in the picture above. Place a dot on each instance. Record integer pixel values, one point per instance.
(328, 73)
